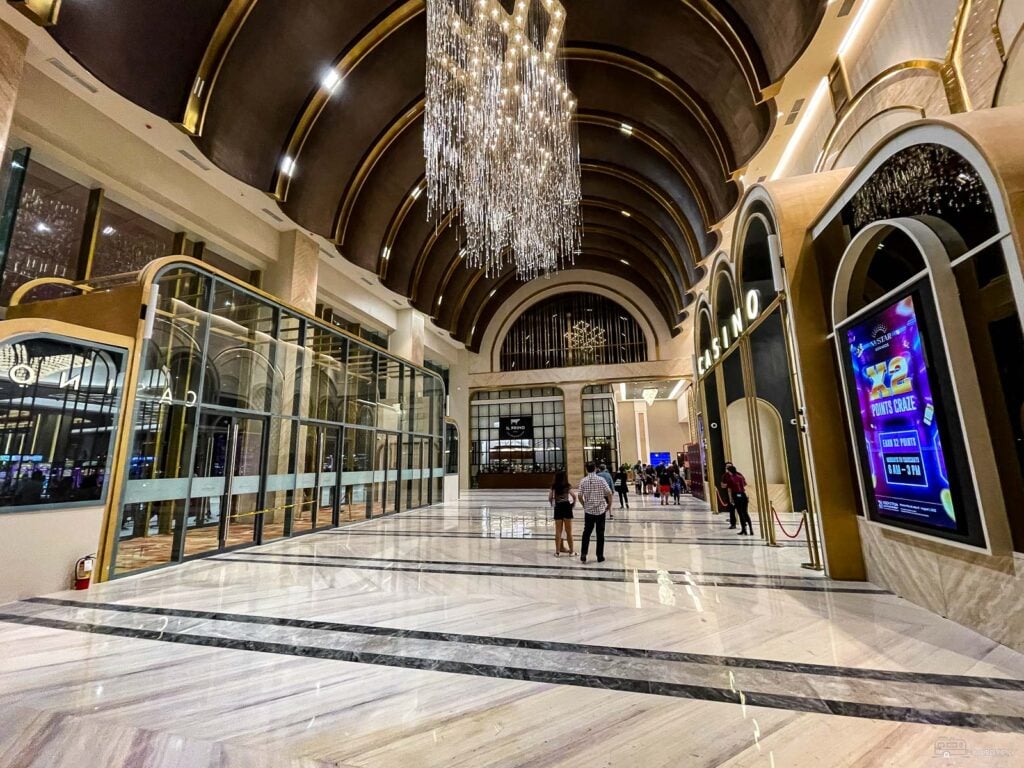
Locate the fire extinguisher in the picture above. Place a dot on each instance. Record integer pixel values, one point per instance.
(83, 571)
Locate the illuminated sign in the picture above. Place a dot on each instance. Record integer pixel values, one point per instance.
(728, 333)
(907, 478)
(515, 428)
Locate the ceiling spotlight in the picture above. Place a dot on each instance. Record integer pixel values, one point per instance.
(386, 253)
(108, 230)
(330, 81)
(627, 129)
(627, 214)
(624, 262)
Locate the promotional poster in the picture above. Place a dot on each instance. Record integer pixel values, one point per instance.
(908, 478)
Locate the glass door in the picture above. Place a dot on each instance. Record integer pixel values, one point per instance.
(325, 515)
(318, 477)
(385, 474)
(224, 502)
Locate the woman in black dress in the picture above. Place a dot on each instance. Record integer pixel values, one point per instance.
(562, 498)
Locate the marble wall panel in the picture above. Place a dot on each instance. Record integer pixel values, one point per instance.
(981, 592)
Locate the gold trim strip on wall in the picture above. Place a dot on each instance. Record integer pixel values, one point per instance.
(224, 35)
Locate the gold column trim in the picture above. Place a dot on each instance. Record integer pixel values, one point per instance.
(224, 35)
(652, 191)
(678, 90)
(90, 233)
(660, 145)
(317, 101)
(41, 12)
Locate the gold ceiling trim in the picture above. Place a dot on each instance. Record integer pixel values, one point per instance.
(642, 247)
(41, 12)
(929, 65)
(440, 228)
(648, 225)
(469, 337)
(662, 146)
(224, 35)
(395, 225)
(629, 177)
(678, 90)
(355, 187)
(728, 34)
(317, 102)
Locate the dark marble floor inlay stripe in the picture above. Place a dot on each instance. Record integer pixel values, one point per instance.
(581, 567)
(264, 558)
(922, 678)
(1003, 723)
(541, 535)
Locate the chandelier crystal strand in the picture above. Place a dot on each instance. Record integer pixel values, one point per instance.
(499, 136)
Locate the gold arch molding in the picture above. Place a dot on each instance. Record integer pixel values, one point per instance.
(678, 90)
(364, 45)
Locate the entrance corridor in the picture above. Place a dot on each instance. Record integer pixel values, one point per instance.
(451, 636)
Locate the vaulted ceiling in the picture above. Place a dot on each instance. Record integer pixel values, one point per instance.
(693, 79)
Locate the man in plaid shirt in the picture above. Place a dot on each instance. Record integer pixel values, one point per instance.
(597, 500)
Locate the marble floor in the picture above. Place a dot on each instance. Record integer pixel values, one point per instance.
(452, 636)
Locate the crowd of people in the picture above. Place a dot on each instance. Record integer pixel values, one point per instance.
(596, 492)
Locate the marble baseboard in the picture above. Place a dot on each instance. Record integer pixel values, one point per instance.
(982, 592)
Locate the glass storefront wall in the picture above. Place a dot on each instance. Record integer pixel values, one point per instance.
(538, 450)
(253, 423)
(600, 437)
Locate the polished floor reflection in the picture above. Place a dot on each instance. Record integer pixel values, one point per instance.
(452, 636)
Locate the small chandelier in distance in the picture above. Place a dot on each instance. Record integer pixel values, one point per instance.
(584, 337)
(650, 395)
(499, 136)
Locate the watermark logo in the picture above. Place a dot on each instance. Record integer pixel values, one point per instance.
(951, 748)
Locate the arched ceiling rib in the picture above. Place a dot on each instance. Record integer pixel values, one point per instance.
(692, 78)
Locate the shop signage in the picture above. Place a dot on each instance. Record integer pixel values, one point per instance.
(515, 428)
(907, 477)
(728, 333)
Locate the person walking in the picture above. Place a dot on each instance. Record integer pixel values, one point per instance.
(597, 501)
(604, 474)
(562, 499)
(638, 478)
(664, 485)
(736, 484)
(677, 487)
(622, 486)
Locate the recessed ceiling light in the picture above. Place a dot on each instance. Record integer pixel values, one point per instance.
(330, 81)
(417, 191)
(624, 262)
(627, 214)
(288, 165)
(386, 254)
(492, 293)
(108, 230)
(42, 227)
(627, 129)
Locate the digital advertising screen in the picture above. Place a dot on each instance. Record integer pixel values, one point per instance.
(907, 472)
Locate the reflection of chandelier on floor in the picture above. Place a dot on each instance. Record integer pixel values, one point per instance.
(499, 138)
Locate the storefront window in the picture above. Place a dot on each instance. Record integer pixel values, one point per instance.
(517, 432)
(600, 441)
(451, 449)
(243, 432)
(59, 405)
(47, 235)
(127, 242)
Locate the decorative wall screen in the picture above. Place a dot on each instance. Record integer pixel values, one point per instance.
(573, 329)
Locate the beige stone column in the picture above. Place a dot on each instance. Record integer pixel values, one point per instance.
(12, 63)
(407, 340)
(293, 277)
(574, 458)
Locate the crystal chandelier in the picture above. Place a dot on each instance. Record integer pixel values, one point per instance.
(499, 137)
